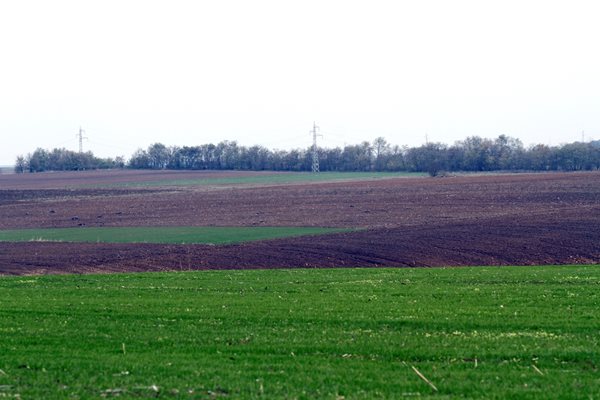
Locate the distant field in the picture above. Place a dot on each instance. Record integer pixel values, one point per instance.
(278, 178)
(514, 332)
(179, 235)
(127, 178)
(512, 219)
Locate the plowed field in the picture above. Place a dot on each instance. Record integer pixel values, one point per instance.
(508, 219)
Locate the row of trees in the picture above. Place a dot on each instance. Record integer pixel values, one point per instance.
(64, 160)
(472, 154)
(503, 153)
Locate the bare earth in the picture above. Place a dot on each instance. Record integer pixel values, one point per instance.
(508, 219)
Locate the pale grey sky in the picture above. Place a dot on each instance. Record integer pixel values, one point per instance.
(135, 72)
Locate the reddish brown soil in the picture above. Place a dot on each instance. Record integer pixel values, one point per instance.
(475, 220)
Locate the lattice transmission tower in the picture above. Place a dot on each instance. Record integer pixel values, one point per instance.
(81, 137)
(315, 151)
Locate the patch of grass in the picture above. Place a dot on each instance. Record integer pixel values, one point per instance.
(268, 179)
(181, 235)
(516, 332)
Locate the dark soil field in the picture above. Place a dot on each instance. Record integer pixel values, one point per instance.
(523, 219)
(54, 180)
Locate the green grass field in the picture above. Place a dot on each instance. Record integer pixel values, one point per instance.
(515, 332)
(180, 235)
(268, 179)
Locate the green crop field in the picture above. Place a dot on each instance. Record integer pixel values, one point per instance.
(514, 332)
(267, 179)
(180, 235)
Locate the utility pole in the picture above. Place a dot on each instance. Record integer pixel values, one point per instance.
(582, 136)
(81, 137)
(315, 153)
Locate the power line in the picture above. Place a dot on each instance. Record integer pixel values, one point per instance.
(63, 142)
(285, 140)
(109, 145)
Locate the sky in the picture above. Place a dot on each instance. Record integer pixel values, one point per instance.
(132, 73)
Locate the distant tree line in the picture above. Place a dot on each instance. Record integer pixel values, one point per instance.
(64, 160)
(472, 154)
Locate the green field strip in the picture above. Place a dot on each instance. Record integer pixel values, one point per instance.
(477, 333)
(175, 235)
(279, 178)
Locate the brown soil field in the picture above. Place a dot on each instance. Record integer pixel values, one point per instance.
(511, 219)
(61, 180)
